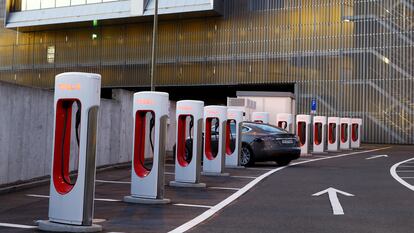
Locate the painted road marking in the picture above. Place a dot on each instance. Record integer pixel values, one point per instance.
(245, 177)
(209, 213)
(404, 171)
(96, 199)
(393, 172)
(321, 156)
(35, 195)
(224, 188)
(113, 182)
(333, 198)
(116, 200)
(20, 226)
(377, 156)
(259, 169)
(407, 177)
(98, 220)
(107, 200)
(196, 206)
(304, 159)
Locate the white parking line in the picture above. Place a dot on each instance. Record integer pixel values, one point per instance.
(116, 200)
(245, 177)
(196, 206)
(405, 166)
(107, 200)
(209, 213)
(35, 195)
(404, 171)
(394, 174)
(259, 169)
(224, 188)
(321, 156)
(113, 182)
(20, 226)
(96, 199)
(302, 160)
(407, 177)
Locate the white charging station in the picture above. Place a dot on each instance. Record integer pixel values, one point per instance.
(303, 128)
(345, 126)
(260, 117)
(233, 138)
(215, 120)
(150, 112)
(285, 121)
(76, 105)
(333, 133)
(319, 134)
(188, 149)
(356, 128)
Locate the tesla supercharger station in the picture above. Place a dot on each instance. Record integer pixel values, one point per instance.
(260, 117)
(215, 121)
(150, 112)
(356, 125)
(303, 128)
(285, 121)
(233, 138)
(319, 134)
(71, 202)
(345, 139)
(188, 148)
(333, 133)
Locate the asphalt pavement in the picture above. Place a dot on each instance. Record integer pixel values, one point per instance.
(285, 203)
(363, 196)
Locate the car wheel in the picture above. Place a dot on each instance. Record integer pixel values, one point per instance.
(283, 162)
(246, 156)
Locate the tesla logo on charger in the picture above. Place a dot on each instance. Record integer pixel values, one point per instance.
(145, 101)
(212, 112)
(231, 115)
(185, 108)
(69, 87)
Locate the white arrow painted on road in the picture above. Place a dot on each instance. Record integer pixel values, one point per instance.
(333, 197)
(377, 156)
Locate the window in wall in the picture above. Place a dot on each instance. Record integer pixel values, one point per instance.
(44, 4)
(51, 54)
(261, 5)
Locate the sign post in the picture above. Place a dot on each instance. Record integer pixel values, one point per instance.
(314, 106)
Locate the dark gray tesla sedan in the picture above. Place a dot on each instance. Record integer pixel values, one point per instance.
(263, 142)
(260, 142)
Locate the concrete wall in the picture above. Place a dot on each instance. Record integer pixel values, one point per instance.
(26, 127)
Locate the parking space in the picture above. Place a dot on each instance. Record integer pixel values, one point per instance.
(264, 198)
(26, 206)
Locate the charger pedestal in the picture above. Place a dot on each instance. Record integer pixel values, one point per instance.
(150, 111)
(303, 128)
(76, 105)
(188, 149)
(234, 138)
(215, 121)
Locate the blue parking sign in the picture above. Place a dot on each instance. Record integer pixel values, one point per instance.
(313, 106)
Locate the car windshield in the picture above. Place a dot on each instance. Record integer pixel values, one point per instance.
(269, 128)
